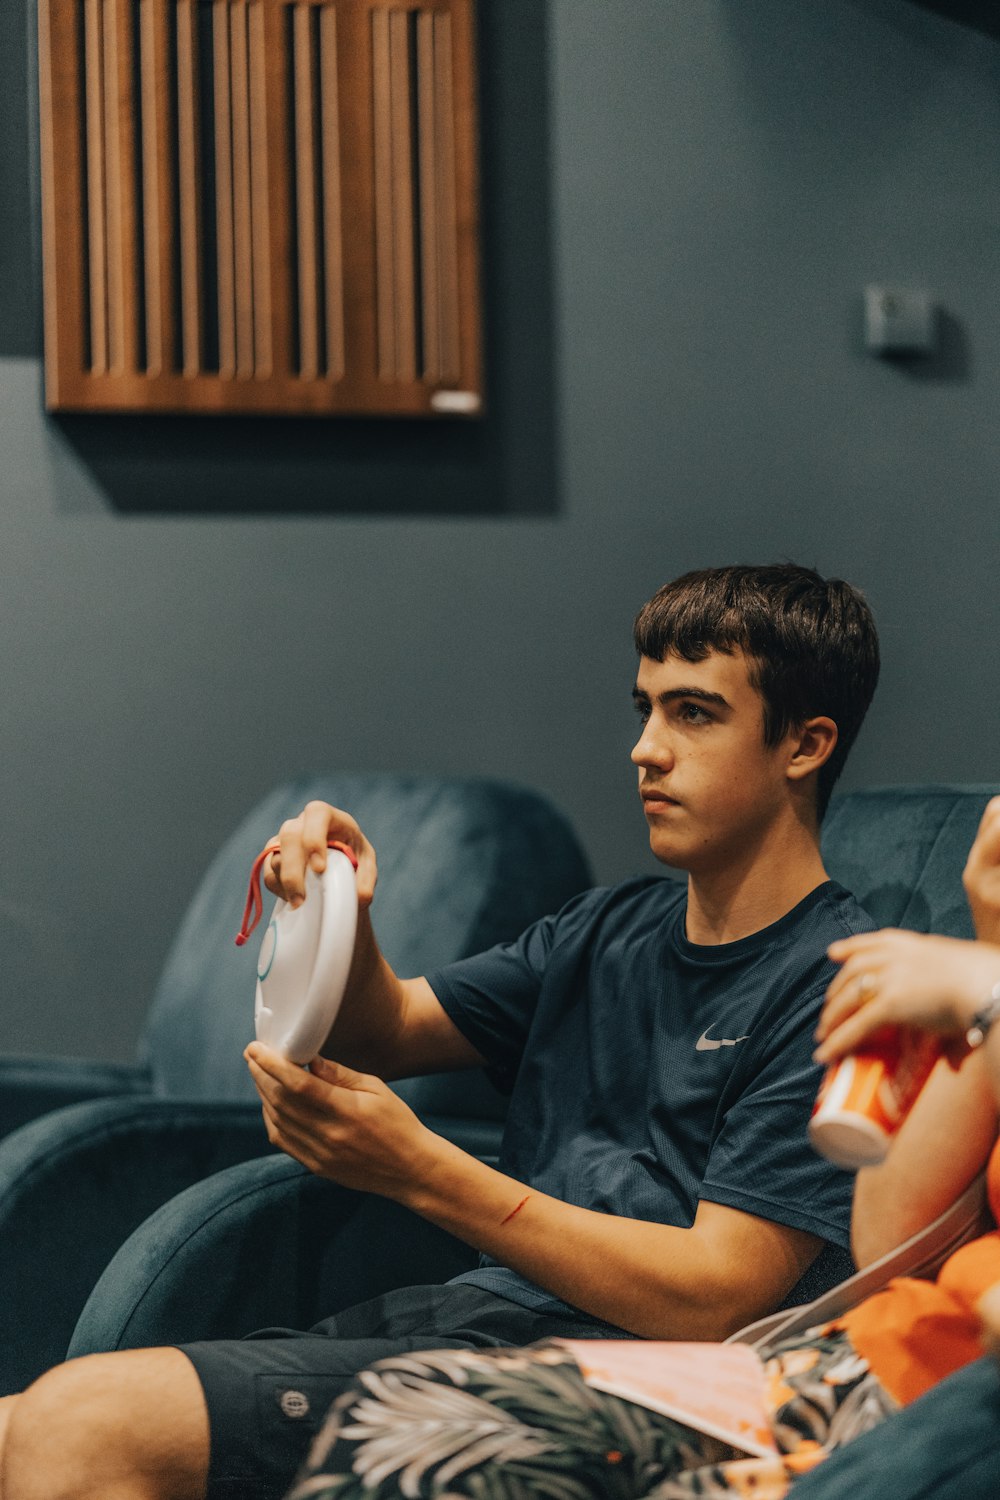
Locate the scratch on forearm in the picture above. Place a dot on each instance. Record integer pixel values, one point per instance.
(516, 1210)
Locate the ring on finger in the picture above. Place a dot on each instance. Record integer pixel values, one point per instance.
(867, 988)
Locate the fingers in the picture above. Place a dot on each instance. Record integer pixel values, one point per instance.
(981, 876)
(303, 846)
(339, 1124)
(298, 1109)
(856, 1007)
(844, 1033)
(340, 1076)
(295, 1142)
(267, 1070)
(984, 856)
(894, 979)
(854, 984)
(299, 1091)
(863, 942)
(988, 836)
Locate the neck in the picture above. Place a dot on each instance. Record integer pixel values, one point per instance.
(754, 887)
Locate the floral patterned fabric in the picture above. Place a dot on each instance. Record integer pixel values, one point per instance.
(503, 1424)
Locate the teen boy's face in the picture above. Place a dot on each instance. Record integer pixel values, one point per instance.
(710, 786)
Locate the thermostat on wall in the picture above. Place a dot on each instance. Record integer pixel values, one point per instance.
(899, 320)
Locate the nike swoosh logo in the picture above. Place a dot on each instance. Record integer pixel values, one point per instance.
(705, 1043)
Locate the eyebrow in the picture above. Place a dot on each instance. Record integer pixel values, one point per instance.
(701, 695)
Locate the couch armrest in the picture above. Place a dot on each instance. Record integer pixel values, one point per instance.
(264, 1244)
(32, 1086)
(73, 1187)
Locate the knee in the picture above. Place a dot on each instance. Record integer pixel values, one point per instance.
(132, 1424)
(56, 1431)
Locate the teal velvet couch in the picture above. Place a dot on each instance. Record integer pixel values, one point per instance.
(266, 1244)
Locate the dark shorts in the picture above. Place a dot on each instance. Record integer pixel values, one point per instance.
(268, 1393)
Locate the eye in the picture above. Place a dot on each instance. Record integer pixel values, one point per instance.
(641, 706)
(693, 713)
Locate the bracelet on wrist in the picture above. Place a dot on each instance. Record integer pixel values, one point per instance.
(984, 1018)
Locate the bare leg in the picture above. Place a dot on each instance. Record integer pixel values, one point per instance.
(126, 1426)
(7, 1404)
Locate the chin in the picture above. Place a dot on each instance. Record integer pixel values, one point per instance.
(667, 851)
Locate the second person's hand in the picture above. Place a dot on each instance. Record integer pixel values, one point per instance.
(895, 979)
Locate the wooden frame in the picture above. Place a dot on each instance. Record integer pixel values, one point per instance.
(260, 206)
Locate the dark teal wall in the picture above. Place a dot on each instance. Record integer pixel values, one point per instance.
(723, 177)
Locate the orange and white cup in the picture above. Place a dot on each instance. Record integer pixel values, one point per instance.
(864, 1098)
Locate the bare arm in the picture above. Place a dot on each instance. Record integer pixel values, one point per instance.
(654, 1280)
(929, 984)
(391, 1027)
(941, 1146)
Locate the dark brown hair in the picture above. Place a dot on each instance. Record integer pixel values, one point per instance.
(811, 643)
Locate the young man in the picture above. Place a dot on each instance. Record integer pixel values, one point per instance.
(655, 1175)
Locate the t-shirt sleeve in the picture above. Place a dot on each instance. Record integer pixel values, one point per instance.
(492, 997)
(761, 1161)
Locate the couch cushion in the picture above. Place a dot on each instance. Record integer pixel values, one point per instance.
(901, 850)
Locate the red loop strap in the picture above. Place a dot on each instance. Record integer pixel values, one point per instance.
(255, 901)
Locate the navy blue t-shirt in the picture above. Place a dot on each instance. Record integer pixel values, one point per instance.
(648, 1072)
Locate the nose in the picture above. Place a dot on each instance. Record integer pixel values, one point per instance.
(652, 748)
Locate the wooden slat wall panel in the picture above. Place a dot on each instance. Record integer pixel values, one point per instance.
(279, 193)
(305, 189)
(426, 107)
(123, 268)
(225, 226)
(402, 193)
(66, 296)
(356, 59)
(333, 268)
(332, 265)
(464, 131)
(243, 228)
(96, 222)
(385, 302)
(259, 198)
(444, 200)
(189, 176)
(157, 191)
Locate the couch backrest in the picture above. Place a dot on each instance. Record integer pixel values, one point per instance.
(902, 849)
(463, 864)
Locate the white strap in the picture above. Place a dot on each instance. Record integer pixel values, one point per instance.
(923, 1254)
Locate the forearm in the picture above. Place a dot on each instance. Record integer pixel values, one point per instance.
(654, 1280)
(392, 1027)
(368, 1031)
(941, 1146)
(992, 1055)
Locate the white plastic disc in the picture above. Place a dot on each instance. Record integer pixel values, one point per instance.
(304, 961)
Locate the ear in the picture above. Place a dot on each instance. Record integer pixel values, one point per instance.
(809, 747)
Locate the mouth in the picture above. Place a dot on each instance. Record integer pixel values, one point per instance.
(657, 802)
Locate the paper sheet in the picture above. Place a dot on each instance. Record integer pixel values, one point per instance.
(719, 1389)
